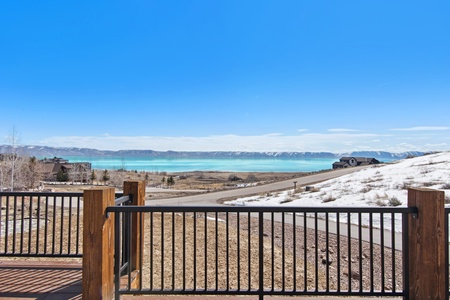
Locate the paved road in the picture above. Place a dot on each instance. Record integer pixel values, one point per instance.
(164, 190)
(208, 199)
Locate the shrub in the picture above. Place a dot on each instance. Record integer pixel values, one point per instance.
(380, 202)
(381, 197)
(447, 200)
(287, 199)
(314, 190)
(62, 176)
(446, 186)
(233, 177)
(393, 201)
(366, 190)
(251, 178)
(428, 184)
(424, 170)
(329, 198)
(406, 185)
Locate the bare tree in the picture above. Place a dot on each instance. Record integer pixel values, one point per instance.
(30, 172)
(123, 164)
(13, 158)
(83, 173)
(34, 168)
(74, 173)
(117, 178)
(2, 171)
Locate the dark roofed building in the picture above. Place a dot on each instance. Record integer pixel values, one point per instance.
(340, 165)
(351, 161)
(78, 171)
(55, 160)
(346, 162)
(361, 161)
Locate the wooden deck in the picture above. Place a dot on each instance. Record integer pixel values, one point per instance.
(49, 280)
(52, 280)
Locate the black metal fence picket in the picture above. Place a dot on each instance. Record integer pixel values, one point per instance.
(268, 250)
(40, 224)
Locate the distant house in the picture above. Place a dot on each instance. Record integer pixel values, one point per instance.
(352, 162)
(340, 165)
(362, 161)
(55, 160)
(79, 171)
(346, 162)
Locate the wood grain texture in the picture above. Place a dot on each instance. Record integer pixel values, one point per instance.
(137, 191)
(98, 244)
(427, 254)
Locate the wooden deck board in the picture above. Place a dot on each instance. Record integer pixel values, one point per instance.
(50, 280)
(43, 280)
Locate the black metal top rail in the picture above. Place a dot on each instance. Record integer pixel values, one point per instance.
(265, 209)
(47, 194)
(42, 194)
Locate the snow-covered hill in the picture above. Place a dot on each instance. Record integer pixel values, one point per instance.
(379, 185)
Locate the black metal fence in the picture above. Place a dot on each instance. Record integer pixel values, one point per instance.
(41, 224)
(226, 250)
(266, 251)
(34, 224)
(123, 234)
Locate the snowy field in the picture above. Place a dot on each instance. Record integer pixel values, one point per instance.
(381, 185)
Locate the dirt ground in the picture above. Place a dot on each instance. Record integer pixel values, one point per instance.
(320, 253)
(185, 183)
(217, 250)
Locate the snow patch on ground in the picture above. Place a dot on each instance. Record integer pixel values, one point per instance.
(377, 186)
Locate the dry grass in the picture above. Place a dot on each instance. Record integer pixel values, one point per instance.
(193, 251)
(53, 228)
(198, 256)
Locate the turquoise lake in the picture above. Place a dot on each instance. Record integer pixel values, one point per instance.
(225, 164)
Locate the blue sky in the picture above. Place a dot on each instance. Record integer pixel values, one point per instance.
(227, 75)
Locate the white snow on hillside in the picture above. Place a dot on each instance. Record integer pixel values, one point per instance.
(378, 185)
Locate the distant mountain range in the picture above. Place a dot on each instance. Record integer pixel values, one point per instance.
(44, 151)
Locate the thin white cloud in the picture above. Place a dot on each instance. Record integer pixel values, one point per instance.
(302, 130)
(342, 130)
(422, 128)
(273, 134)
(440, 145)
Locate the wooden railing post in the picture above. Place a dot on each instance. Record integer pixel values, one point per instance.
(137, 191)
(98, 244)
(427, 254)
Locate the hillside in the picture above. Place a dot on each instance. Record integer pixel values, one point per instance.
(379, 185)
